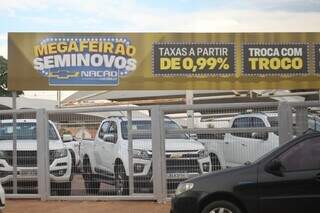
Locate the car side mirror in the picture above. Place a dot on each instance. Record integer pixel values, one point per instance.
(109, 138)
(67, 138)
(275, 167)
(260, 135)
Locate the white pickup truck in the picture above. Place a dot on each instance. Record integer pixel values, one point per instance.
(105, 159)
(239, 148)
(27, 171)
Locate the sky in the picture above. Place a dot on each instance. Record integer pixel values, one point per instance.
(155, 16)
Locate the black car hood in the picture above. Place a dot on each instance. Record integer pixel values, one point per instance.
(227, 180)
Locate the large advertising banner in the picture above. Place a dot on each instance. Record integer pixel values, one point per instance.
(163, 61)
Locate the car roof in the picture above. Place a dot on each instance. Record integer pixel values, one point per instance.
(258, 114)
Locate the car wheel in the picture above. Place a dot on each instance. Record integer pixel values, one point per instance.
(221, 207)
(215, 163)
(61, 189)
(121, 180)
(91, 184)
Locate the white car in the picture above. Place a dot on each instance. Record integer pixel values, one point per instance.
(27, 171)
(2, 198)
(106, 158)
(239, 148)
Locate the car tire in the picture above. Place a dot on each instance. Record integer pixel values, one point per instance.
(121, 180)
(61, 189)
(216, 206)
(215, 163)
(91, 184)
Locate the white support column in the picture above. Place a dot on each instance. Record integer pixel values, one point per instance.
(158, 155)
(190, 113)
(14, 143)
(43, 155)
(285, 122)
(130, 153)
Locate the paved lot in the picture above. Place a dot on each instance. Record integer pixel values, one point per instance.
(35, 206)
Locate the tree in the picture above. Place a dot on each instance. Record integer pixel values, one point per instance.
(3, 79)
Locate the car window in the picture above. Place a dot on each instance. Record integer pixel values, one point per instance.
(246, 122)
(241, 122)
(113, 130)
(103, 129)
(257, 122)
(302, 156)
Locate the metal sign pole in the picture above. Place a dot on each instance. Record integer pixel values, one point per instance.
(14, 140)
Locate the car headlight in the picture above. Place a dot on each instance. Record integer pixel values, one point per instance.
(141, 154)
(59, 153)
(203, 153)
(184, 187)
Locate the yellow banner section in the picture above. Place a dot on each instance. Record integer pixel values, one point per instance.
(163, 61)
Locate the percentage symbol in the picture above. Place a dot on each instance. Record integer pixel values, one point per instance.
(223, 63)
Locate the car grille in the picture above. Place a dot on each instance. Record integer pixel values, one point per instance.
(24, 158)
(182, 166)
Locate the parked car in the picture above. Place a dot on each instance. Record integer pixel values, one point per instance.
(2, 199)
(242, 147)
(105, 159)
(285, 180)
(27, 171)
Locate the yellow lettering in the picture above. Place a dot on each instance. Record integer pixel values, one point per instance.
(40, 50)
(165, 63)
(119, 49)
(107, 47)
(73, 47)
(253, 63)
(62, 47)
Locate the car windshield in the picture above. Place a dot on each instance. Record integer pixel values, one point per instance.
(25, 131)
(146, 125)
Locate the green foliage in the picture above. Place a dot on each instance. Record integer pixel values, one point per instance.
(3, 78)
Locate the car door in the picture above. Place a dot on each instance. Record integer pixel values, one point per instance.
(109, 148)
(240, 148)
(100, 147)
(297, 188)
